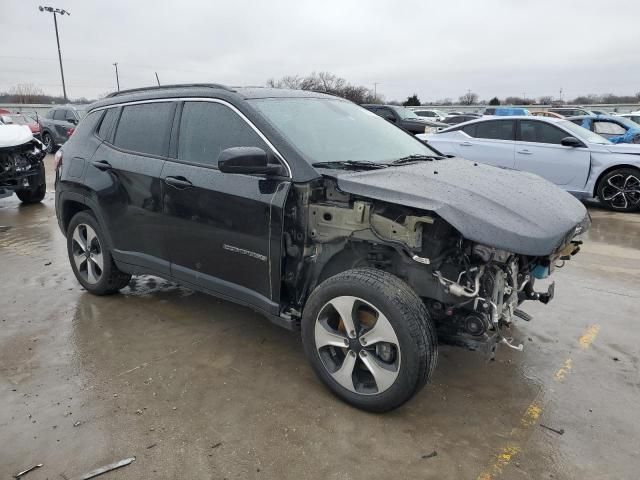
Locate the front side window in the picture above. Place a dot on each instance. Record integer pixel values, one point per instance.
(144, 128)
(608, 128)
(497, 130)
(540, 132)
(386, 113)
(60, 114)
(208, 128)
(334, 130)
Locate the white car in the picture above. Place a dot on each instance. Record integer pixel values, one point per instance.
(430, 114)
(574, 158)
(633, 116)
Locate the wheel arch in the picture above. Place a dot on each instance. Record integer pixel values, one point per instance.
(609, 170)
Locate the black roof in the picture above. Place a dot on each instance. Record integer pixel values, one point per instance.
(204, 90)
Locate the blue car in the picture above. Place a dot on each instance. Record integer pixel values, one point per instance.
(614, 129)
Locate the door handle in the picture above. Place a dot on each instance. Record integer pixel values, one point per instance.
(178, 182)
(102, 165)
(466, 144)
(525, 152)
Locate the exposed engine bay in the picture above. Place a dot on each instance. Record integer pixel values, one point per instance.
(19, 163)
(472, 291)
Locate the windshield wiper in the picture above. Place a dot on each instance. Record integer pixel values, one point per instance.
(350, 164)
(416, 158)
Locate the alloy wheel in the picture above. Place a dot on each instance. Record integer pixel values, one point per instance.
(357, 345)
(622, 191)
(87, 253)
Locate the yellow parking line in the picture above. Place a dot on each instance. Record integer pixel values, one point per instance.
(589, 336)
(566, 368)
(533, 412)
(502, 459)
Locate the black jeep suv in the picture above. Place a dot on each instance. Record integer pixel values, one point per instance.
(310, 210)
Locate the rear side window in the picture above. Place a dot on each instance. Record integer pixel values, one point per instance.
(60, 114)
(540, 132)
(208, 128)
(107, 122)
(498, 130)
(144, 128)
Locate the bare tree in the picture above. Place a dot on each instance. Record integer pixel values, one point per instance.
(545, 100)
(326, 82)
(26, 93)
(468, 98)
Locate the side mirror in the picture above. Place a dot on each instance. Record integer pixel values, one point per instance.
(571, 142)
(249, 160)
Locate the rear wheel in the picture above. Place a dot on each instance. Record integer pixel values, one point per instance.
(369, 338)
(620, 190)
(90, 258)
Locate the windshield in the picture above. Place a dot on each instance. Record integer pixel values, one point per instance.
(334, 130)
(582, 133)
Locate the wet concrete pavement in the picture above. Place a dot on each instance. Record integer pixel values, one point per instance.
(195, 387)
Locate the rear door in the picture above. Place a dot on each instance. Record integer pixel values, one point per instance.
(124, 181)
(224, 230)
(491, 142)
(539, 150)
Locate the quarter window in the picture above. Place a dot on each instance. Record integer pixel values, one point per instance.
(107, 122)
(540, 132)
(144, 128)
(208, 128)
(496, 130)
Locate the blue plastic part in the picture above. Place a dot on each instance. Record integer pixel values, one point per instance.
(508, 112)
(540, 272)
(631, 136)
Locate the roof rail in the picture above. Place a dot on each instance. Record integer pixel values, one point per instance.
(166, 87)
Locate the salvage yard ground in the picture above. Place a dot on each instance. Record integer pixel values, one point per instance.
(195, 387)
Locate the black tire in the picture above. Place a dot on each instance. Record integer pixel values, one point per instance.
(619, 190)
(110, 280)
(32, 195)
(47, 141)
(416, 350)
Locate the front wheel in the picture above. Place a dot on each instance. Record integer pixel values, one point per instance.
(369, 338)
(620, 190)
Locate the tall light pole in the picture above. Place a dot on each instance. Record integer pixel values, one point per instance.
(375, 89)
(117, 78)
(55, 22)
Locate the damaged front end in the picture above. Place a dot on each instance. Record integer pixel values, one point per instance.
(472, 290)
(21, 160)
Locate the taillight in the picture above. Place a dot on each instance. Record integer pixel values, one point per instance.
(57, 160)
(70, 131)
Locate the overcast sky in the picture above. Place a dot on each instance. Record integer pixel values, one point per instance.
(435, 48)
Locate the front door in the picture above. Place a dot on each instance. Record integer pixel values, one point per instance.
(224, 230)
(539, 150)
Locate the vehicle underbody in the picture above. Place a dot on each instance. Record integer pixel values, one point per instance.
(472, 291)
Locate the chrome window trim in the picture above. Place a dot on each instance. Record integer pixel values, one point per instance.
(212, 100)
